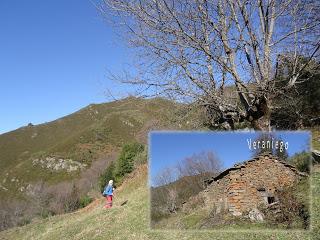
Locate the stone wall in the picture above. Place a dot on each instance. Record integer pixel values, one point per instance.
(245, 186)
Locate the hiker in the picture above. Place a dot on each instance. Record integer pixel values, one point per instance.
(108, 194)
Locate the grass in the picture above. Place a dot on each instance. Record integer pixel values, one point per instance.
(198, 218)
(316, 138)
(315, 209)
(192, 220)
(131, 221)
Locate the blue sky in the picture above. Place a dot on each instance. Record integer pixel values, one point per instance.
(168, 148)
(54, 59)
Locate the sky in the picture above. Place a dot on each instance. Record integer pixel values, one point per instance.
(54, 59)
(166, 149)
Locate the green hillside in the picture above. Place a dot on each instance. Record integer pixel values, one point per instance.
(90, 134)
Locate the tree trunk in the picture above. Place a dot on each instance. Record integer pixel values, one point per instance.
(259, 114)
(262, 123)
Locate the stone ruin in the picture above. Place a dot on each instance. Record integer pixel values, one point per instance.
(243, 187)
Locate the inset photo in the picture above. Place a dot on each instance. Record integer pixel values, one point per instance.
(230, 180)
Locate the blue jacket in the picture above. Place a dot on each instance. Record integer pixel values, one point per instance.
(108, 190)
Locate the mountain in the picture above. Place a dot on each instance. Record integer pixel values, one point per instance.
(63, 149)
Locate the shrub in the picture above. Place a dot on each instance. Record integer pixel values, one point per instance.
(85, 201)
(157, 215)
(125, 162)
(289, 211)
(24, 221)
(106, 176)
(131, 155)
(72, 201)
(141, 158)
(301, 161)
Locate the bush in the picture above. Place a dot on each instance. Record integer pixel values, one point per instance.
(141, 158)
(125, 162)
(301, 161)
(45, 213)
(106, 176)
(290, 211)
(131, 155)
(157, 215)
(24, 221)
(85, 201)
(72, 201)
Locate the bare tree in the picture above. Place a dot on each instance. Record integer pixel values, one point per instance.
(166, 195)
(221, 54)
(201, 163)
(195, 169)
(177, 183)
(165, 176)
(172, 199)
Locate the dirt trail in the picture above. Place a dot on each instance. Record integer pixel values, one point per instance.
(96, 202)
(101, 200)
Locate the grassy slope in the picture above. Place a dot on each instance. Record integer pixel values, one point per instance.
(92, 132)
(132, 221)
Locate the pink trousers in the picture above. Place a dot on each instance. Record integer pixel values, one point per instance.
(109, 201)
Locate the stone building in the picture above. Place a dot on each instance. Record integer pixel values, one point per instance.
(243, 187)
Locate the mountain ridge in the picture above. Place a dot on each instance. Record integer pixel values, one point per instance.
(84, 136)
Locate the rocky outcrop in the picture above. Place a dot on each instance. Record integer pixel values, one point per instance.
(59, 164)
